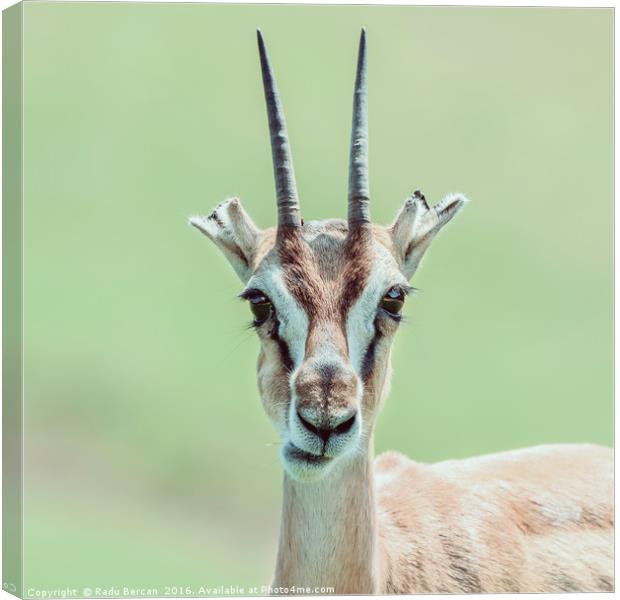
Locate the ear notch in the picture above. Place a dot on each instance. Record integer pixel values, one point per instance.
(417, 224)
(234, 233)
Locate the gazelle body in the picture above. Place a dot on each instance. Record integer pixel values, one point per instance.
(327, 298)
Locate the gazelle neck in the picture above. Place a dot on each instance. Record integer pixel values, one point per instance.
(328, 535)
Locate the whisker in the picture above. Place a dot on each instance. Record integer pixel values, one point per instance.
(271, 444)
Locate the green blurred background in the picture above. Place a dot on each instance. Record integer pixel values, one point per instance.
(148, 459)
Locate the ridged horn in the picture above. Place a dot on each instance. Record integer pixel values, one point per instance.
(286, 189)
(359, 193)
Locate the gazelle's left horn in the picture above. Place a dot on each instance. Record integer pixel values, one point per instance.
(359, 193)
(286, 189)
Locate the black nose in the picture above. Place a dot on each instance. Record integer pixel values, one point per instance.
(324, 429)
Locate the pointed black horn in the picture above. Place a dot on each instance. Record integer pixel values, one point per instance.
(286, 189)
(359, 194)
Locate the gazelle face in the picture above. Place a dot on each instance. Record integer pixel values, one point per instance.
(326, 298)
(326, 306)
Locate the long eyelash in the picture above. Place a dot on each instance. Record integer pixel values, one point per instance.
(251, 325)
(408, 289)
(247, 294)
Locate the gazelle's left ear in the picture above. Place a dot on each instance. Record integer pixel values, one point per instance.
(417, 224)
(234, 233)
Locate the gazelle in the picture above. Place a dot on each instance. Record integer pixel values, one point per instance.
(327, 298)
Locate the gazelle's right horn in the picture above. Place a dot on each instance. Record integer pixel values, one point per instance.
(359, 193)
(286, 189)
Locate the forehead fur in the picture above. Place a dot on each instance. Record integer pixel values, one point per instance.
(327, 242)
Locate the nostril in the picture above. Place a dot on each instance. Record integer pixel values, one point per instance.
(345, 426)
(309, 426)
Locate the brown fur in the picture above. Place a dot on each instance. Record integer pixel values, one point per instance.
(332, 267)
(534, 520)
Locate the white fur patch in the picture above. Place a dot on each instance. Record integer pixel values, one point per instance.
(360, 321)
(293, 319)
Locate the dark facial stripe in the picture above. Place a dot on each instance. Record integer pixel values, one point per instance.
(368, 363)
(285, 354)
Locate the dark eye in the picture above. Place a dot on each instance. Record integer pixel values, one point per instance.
(261, 307)
(393, 301)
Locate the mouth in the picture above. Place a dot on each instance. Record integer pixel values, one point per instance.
(303, 465)
(294, 453)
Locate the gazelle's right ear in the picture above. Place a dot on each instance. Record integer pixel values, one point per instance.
(235, 234)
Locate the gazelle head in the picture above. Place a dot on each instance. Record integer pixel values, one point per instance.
(326, 296)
